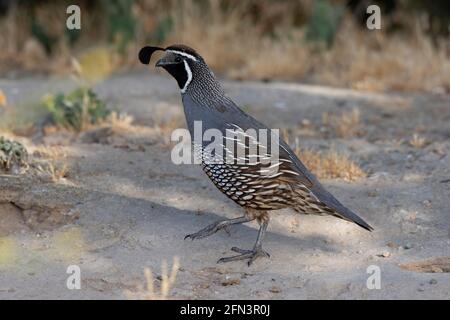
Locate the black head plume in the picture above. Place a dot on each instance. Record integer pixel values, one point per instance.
(146, 53)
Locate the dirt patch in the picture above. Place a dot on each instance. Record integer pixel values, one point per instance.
(11, 219)
(26, 201)
(433, 265)
(124, 206)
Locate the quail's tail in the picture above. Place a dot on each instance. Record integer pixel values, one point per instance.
(337, 208)
(347, 214)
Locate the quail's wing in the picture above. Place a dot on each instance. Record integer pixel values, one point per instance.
(292, 170)
(288, 168)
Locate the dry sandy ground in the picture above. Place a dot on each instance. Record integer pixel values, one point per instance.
(125, 206)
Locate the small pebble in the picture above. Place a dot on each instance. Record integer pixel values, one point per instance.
(275, 289)
(384, 255)
(204, 286)
(231, 282)
(433, 281)
(427, 203)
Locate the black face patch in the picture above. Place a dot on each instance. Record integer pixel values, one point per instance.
(179, 72)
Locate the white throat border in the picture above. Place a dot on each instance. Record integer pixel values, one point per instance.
(189, 74)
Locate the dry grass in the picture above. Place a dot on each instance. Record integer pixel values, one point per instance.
(330, 165)
(344, 125)
(232, 45)
(376, 61)
(326, 164)
(21, 49)
(120, 131)
(241, 45)
(119, 120)
(417, 141)
(47, 162)
(57, 172)
(50, 162)
(149, 292)
(359, 59)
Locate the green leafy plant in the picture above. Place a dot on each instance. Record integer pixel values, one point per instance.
(76, 110)
(13, 155)
(324, 22)
(121, 22)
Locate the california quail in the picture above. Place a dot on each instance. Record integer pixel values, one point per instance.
(250, 184)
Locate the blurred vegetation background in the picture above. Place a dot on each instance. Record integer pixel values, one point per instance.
(322, 41)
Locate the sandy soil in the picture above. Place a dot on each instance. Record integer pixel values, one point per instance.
(125, 206)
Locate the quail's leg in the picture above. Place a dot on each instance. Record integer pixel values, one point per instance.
(213, 228)
(251, 255)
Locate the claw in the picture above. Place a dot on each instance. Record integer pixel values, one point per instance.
(209, 230)
(251, 255)
(195, 236)
(241, 251)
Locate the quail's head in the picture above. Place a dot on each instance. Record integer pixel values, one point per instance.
(181, 61)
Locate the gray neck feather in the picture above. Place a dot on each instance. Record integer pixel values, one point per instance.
(204, 88)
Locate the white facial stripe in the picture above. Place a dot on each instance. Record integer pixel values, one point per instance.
(189, 74)
(184, 54)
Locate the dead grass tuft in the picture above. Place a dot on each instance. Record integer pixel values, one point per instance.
(148, 291)
(326, 164)
(49, 162)
(330, 164)
(119, 120)
(417, 141)
(56, 172)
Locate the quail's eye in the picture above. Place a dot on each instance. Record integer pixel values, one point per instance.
(178, 59)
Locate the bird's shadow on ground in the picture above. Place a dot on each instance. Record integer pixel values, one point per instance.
(170, 222)
(244, 235)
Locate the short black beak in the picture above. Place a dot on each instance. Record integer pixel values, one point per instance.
(160, 63)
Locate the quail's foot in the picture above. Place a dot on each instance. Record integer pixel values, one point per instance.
(251, 255)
